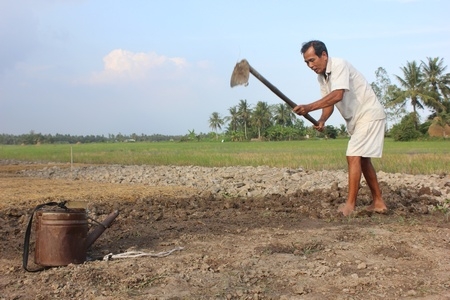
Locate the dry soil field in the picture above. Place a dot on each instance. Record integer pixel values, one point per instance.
(271, 248)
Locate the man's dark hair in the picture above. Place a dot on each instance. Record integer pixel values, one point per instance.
(318, 46)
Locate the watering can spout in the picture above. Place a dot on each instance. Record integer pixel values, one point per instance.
(100, 228)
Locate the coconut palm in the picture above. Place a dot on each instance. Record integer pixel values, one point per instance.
(244, 113)
(216, 122)
(283, 115)
(261, 116)
(342, 130)
(233, 119)
(437, 81)
(412, 90)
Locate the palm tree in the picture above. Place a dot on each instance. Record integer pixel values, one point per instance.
(244, 113)
(283, 115)
(437, 81)
(261, 116)
(192, 135)
(215, 122)
(233, 119)
(412, 89)
(342, 130)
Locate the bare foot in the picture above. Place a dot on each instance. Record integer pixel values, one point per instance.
(346, 209)
(378, 207)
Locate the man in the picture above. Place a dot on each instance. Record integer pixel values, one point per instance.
(341, 85)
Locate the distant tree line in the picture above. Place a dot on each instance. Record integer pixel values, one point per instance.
(34, 138)
(266, 122)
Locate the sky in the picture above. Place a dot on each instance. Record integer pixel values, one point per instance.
(100, 67)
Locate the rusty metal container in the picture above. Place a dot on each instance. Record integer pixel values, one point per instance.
(61, 237)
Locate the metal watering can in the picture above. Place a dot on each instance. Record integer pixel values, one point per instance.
(62, 235)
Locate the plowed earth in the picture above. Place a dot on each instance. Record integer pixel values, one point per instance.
(271, 248)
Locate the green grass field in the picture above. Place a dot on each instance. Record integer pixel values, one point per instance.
(418, 157)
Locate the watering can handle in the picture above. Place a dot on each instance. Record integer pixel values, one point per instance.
(26, 243)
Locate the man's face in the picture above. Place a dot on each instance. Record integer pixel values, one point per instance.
(316, 63)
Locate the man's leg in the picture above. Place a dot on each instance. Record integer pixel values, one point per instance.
(370, 175)
(354, 178)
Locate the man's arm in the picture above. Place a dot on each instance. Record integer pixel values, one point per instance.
(326, 113)
(326, 104)
(329, 100)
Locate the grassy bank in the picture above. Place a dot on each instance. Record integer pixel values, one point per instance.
(418, 157)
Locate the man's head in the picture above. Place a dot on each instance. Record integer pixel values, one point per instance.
(315, 54)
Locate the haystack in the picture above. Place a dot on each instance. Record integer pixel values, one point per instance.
(436, 130)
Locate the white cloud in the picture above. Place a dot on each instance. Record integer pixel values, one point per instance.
(125, 65)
